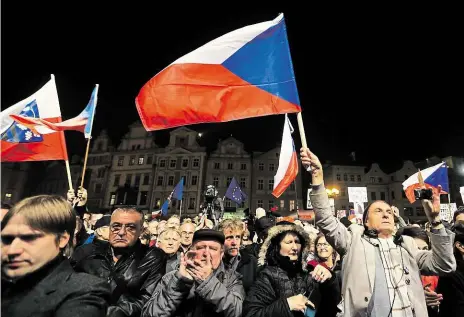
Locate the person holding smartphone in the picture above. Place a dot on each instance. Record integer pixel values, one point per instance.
(285, 287)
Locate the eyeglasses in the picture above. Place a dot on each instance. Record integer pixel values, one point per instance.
(320, 245)
(185, 233)
(130, 227)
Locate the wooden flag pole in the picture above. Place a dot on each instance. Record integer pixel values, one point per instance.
(65, 150)
(68, 171)
(89, 134)
(85, 160)
(302, 130)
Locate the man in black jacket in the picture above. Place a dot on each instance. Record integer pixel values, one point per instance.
(37, 278)
(133, 270)
(241, 262)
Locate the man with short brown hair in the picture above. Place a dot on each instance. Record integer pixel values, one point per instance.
(37, 278)
(235, 260)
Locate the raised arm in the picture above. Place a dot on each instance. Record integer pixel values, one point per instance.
(335, 232)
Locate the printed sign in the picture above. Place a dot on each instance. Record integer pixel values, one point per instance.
(357, 194)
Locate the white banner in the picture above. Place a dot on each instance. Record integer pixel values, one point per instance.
(447, 211)
(357, 194)
(308, 199)
(461, 190)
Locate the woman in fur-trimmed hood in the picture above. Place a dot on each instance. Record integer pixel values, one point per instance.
(284, 287)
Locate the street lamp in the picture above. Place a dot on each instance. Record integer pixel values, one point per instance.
(332, 193)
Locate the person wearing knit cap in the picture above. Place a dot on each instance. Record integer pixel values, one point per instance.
(381, 271)
(201, 286)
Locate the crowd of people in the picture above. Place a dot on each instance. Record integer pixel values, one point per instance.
(59, 259)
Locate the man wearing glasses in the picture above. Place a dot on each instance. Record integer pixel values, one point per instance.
(132, 269)
(187, 229)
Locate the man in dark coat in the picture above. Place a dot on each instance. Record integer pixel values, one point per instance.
(131, 269)
(37, 278)
(234, 259)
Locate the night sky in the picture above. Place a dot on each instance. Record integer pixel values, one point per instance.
(385, 82)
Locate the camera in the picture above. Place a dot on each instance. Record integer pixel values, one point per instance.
(210, 194)
(421, 194)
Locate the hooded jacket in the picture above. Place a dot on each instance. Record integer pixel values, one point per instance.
(280, 279)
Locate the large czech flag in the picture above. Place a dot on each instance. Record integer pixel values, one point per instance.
(28, 142)
(433, 176)
(242, 74)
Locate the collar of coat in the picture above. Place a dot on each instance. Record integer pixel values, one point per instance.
(275, 231)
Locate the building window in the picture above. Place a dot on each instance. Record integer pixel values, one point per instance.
(191, 203)
(162, 163)
(420, 211)
(160, 180)
(216, 181)
(270, 184)
(112, 198)
(345, 177)
(101, 173)
(185, 163)
(137, 180)
(352, 178)
(270, 204)
(117, 178)
(292, 205)
(393, 194)
(380, 179)
(359, 178)
(132, 160)
(228, 203)
(141, 159)
(157, 202)
(282, 204)
(196, 162)
(217, 165)
(373, 196)
(98, 188)
(372, 178)
(170, 180)
(229, 179)
(143, 198)
(149, 159)
(260, 203)
(260, 184)
(230, 166)
(242, 182)
(121, 161)
(339, 178)
(128, 179)
(172, 163)
(409, 211)
(382, 195)
(261, 166)
(194, 180)
(146, 179)
(271, 167)
(243, 166)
